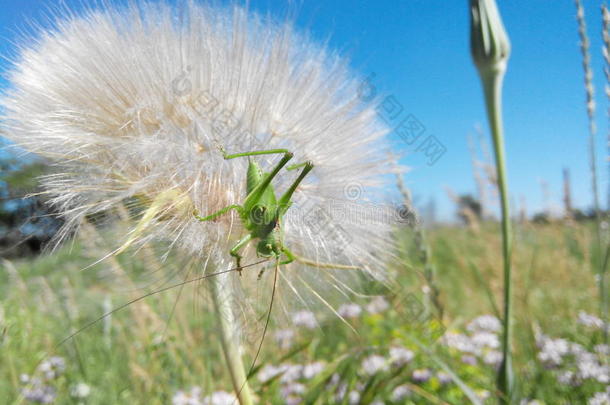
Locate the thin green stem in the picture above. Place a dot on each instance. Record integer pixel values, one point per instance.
(603, 291)
(492, 86)
(222, 299)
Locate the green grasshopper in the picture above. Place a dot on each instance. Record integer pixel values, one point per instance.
(261, 212)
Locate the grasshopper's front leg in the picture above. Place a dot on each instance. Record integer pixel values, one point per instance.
(235, 250)
(242, 242)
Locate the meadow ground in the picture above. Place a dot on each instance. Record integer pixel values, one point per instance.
(160, 349)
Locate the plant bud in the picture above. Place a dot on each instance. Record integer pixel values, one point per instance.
(489, 42)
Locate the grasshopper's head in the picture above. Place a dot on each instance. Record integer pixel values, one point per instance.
(268, 247)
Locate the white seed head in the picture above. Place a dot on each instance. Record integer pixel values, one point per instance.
(131, 106)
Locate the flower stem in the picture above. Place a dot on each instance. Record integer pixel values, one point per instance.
(222, 299)
(492, 86)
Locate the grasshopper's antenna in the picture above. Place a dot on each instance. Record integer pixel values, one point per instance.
(260, 345)
(171, 314)
(107, 314)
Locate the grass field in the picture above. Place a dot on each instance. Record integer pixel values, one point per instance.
(398, 351)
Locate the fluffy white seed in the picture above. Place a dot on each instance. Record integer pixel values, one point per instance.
(132, 104)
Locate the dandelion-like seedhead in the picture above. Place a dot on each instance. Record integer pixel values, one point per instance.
(131, 106)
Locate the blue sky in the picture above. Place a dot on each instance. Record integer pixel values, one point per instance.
(417, 51)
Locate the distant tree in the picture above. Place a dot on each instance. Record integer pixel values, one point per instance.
(27, 223)
(541, 218)
(580, 215)
(469, 209)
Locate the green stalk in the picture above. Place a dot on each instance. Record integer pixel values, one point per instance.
(490, 48)
(492, 86)
(221, 296)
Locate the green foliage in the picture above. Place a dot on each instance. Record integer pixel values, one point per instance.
(147, 352)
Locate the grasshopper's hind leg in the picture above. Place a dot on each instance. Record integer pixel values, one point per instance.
(285, 200)
(291, 257)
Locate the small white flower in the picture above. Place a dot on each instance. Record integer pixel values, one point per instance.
(349, 311)
(568, 378)
(602, 349)
(192, 397)
(468, 359)
(459, 342)
(80, 390)
(577, 349)
(334, 379)
(590, 321)
(600, 398)
(220, 398)
(483, 340)
(553, 350)
(52, 368)
(603, 378)
(493, 358)
(39, 392)
(291, 373)
(305, 318)
(443, 377)
(354, 397)
(484, 323)
(374, 364)
(293, 388)
(341, 392)
(399, 356)
(400, 392)
(268, 372)
(377, 305)
(284, 337)
(591, 368)
(421, 375)
(313, 369)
